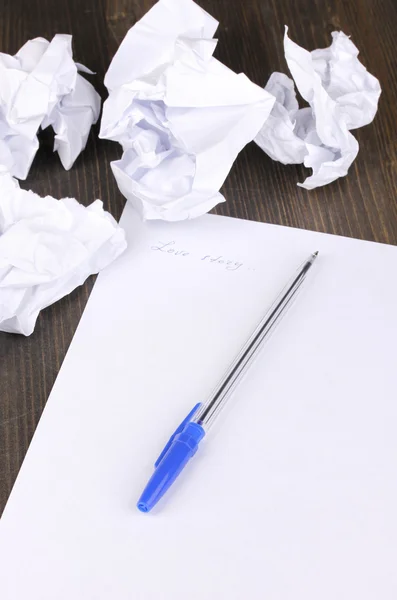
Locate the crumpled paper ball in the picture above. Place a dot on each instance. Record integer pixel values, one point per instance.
(41, 86)
(48, 247)
(341, 94)
(180, 115)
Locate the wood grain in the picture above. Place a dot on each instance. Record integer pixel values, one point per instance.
(362, 205)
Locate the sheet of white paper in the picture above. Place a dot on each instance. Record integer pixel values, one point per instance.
(293, 493)
(48, 247)
(342, 95)
(40, 86)
(180, 115)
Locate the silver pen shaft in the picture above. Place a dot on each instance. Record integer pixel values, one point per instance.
(208, 412)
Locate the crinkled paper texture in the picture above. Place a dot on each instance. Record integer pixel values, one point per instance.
(48, 247)
(179, 114)
(341, 94)
(41, 86)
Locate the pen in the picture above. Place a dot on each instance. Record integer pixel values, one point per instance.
(184, 442)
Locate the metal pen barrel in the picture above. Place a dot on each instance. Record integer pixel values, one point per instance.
(210, 410)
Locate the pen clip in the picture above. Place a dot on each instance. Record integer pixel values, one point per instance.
(178, 430)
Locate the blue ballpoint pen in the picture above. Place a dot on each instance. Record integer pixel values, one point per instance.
(184, 442)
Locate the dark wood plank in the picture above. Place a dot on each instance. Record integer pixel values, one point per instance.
(362, 205)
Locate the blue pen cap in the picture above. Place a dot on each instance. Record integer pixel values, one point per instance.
(179, 450)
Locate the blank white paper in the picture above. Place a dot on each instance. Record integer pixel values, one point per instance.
(292, 495)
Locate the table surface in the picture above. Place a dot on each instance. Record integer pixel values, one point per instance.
(361, 205)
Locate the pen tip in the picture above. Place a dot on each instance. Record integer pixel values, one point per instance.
(313, 257)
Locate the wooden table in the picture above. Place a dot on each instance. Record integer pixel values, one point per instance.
(362, 205)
